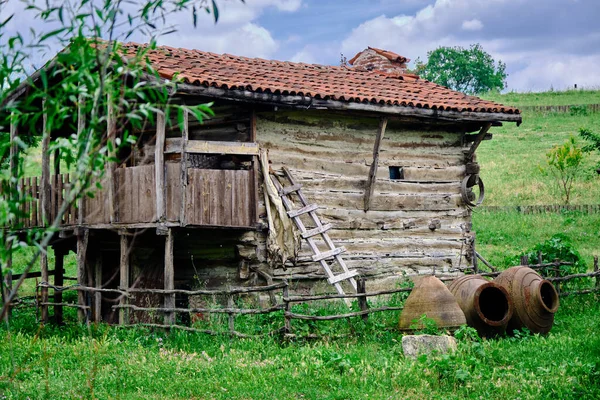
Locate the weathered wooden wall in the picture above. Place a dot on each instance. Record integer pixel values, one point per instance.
(331, 157)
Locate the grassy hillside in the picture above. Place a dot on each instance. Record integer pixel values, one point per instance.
(550, 98)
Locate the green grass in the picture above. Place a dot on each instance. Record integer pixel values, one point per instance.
(501, 235)
(550, 98)
(513, 163)
(137, 363)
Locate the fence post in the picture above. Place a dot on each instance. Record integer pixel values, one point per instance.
(231, 317)
(286, 309)
(596, 271)
(524, 260)
(362, 300)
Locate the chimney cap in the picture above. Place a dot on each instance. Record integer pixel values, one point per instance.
(390, 55)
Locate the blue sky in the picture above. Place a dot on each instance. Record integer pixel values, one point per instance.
(544, 43)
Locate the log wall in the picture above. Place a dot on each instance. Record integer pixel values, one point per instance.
(331, 158)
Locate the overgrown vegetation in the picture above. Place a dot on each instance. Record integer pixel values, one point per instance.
(111, 362)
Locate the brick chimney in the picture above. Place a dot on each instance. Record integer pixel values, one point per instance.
(372, 59)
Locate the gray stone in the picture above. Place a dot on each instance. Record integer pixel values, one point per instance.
(415, 345)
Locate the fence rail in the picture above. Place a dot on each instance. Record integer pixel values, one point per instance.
(544, 209)
(563, 109)
(282, 302)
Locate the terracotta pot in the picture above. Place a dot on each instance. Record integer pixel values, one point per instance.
(486, 305)
(534, 299)
(431, 297)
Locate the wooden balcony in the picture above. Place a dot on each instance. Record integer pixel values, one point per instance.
(213, 197)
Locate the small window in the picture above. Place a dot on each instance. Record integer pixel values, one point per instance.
(396, 173)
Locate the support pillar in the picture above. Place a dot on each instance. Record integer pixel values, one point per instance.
(169, 283)
(98, 285)
(82, 244)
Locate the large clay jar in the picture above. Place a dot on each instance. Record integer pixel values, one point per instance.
(431, 297)
(486, 305)
(534, 299)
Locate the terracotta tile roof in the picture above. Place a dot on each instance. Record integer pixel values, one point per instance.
(344, 84)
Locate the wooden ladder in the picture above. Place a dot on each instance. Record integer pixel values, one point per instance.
(334, 252)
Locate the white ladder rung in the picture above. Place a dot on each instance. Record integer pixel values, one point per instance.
(328, 254)
(303, 210)
(342, 277)
(316, 231)
(290, 189)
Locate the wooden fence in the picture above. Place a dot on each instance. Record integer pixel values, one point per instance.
(562, 109)
(543, 209)
(281, 301)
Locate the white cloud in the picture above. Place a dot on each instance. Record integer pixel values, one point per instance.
(472, 25)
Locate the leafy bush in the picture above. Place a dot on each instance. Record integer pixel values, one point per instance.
(558, 247)
(565, 164)
(578, 110)
(593, 140)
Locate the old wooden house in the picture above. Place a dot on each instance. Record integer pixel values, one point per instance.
(376, 169)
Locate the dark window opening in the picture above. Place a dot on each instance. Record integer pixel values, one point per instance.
(396, 173)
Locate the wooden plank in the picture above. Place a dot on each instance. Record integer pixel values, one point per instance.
(111, 166)
(46, 194)
(214, 197)
(328, 254)
(123, 276)
(169, 278)
(228, 202)
(58, 191)
(316, 231)
(35, 202)
(82, 244)
(342, 277)
(373, 171)
(44, 278)
(173, 146)
(184, 168)
(13, 159)
(254, 185)
(159, 166)
(303, 210)
(28, 199)
(80, 129)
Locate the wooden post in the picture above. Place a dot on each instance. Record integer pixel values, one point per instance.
(524, 260)
(484, 130)
(169, 283)
(46, 208)
(184, 171)
(111, 165)
(362, 301)
(82, 244)
(80, 128)
(286, 310)
(59, 258)
(124, 276)
(159, 166)
(98, 285)
(370, 188)
(231, 317)
(596, 270)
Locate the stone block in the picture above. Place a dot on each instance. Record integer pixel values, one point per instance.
(415, 345)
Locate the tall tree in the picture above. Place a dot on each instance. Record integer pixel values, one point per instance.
(89, 74)
(471, 70)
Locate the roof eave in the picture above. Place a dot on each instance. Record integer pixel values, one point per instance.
(308, 102)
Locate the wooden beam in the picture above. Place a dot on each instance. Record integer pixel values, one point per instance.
(59, 273)
(80, 129)
(159, 166)
(82, 244)
(305, 102)
(124, 276)
(184, 167)
(169, 282)
(98, 285)
(44, 290)
(173, 145)
(370, 188)
(486, 127)
(111, 165)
